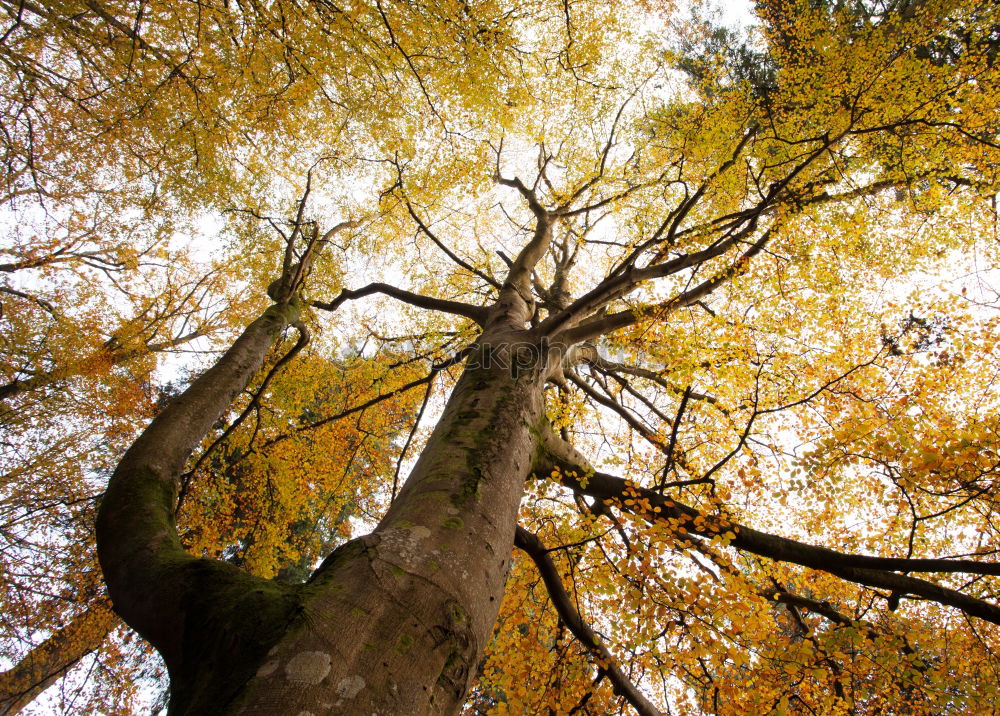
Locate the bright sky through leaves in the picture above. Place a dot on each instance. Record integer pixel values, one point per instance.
(741, 456)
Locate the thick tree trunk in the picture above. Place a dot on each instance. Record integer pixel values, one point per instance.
(55, 656)
(392, 623)
(395, 622)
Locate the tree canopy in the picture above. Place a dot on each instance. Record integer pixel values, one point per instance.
(684, 334)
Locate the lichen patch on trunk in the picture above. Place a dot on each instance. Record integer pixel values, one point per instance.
(350, 686)
(268, 668)
(309, 667)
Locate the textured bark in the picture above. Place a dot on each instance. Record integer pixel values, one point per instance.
(395, 622)
(50, 660)
(209, 621)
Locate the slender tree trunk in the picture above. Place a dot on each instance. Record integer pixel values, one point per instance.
(210, 621)
(55, 656)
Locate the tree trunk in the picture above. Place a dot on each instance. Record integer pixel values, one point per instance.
(51, 659)
(394, 622)
(210, 621)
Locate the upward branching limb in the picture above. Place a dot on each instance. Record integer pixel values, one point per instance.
(154, 584)
(667, 233)
(137, 541)
(600, 325)
(619, 285)
(581, 320)
(293, 272)
(522, 266)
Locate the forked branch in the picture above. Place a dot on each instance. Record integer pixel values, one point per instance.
(602, 324)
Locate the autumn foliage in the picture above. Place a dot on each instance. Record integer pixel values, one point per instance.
(752, 273)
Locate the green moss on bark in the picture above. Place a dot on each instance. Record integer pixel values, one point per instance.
(232, 620)
(285, 314)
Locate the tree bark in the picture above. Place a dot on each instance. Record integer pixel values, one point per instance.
(394, 622)
(55, 656)
(210, 621)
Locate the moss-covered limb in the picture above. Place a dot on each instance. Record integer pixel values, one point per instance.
(373, 637)
(880, 572)
(137, 541)
(231, 620)
(554, 453)
(51, 659)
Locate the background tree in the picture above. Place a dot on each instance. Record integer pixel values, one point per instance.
(695, 307)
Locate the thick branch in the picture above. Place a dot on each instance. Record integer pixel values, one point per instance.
(519, 275)
(137, 542)
(621, 284)
(860, 569)
(476, 313)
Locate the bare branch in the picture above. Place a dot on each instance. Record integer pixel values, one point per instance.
(441, 245)
(476, 313)
(577, 474)
(533, 547)
(615, 321)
